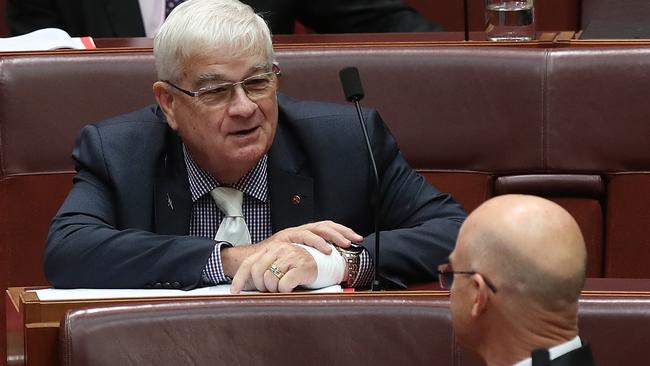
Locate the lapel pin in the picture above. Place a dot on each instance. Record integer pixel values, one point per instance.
(295, 200)
(169, 202)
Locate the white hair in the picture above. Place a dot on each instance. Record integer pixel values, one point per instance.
(199, 27)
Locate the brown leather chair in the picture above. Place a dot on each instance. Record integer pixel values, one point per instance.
(286, 332)
(597, 126)
(617, 328)
(261, 332)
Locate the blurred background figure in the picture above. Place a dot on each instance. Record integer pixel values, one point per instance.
(142, 18)
(515, 278)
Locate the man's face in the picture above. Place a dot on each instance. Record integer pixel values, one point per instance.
(226, 140)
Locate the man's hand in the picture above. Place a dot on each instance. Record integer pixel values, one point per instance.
(252, 263)
(297, 267)
(317, 235)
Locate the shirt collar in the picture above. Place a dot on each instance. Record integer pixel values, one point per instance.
(557, 351)
(253, 183)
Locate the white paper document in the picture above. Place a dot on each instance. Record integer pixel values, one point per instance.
(45, 39)
(53, 294)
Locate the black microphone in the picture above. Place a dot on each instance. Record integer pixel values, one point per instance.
(354, 93)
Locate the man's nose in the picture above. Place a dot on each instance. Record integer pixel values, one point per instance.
(241, 104)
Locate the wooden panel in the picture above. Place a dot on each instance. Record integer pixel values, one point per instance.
(41, 350)
(15, 334)
(468, 188)
(628, 240)
(588, 213)
(26, 207)
(32, 201)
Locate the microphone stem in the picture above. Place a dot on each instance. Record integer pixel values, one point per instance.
(376, 282)
(466, 20)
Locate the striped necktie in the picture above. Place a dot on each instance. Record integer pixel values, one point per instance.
(233, 228)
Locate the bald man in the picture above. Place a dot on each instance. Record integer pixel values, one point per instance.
(515, 278)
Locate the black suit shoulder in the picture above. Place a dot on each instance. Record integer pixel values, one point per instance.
(149, 114)
(297, 109)
(137, 137)
(333, 129)
(335, 119)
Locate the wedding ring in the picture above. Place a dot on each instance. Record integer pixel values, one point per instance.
(276, 271)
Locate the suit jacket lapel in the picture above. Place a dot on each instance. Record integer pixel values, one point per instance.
(291, 188)
(172, 199)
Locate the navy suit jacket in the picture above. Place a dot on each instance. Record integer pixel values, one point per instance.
(122, 18)
(125, 222)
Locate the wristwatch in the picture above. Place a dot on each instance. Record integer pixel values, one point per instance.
(352, 257)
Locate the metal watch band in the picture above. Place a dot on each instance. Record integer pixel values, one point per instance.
(352, 261)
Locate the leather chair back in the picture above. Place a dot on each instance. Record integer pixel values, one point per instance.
(318, 331)
(259, 332)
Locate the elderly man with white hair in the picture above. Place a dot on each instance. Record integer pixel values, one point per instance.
(225, 179)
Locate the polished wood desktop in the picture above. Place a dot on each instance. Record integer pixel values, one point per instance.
(560, 39)
(477, 39)
(544, 39)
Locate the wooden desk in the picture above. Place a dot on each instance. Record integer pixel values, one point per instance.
(544, 39)
(477, 39)
(33, 325)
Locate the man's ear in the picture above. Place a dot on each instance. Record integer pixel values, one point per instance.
(165, 100)
(481, 295)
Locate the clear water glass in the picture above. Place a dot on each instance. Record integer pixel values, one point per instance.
(510, 20)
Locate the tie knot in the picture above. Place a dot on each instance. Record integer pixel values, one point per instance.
(229, 200)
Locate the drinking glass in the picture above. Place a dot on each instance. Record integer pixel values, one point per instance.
(510, 20)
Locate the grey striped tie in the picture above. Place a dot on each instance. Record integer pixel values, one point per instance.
(233, 228)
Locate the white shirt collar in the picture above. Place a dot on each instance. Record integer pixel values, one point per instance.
(557, 351)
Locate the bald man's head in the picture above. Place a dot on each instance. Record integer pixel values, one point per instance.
(529, 247)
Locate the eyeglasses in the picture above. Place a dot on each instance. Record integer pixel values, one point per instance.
(256, 87)
(446, 277)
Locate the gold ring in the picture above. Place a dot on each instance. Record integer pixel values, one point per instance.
(276, 271)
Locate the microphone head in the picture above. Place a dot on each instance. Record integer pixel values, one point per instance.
(351, 84)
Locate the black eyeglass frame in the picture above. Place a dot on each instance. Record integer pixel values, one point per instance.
(446, 277)
(195, 94)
